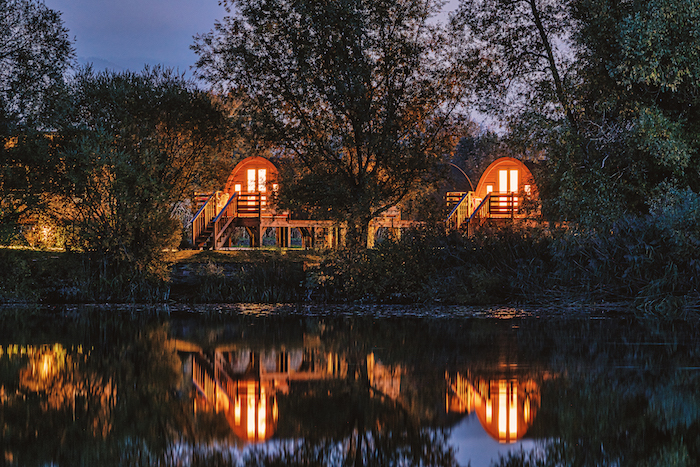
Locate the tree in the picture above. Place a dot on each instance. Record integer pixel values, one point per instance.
(136, 144)
(361, 95)
(607, 88)
(35, 53)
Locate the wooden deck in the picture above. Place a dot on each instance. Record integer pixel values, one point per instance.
(214, 226)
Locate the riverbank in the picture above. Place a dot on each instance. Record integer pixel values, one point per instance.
(641, 263)
(267, 276)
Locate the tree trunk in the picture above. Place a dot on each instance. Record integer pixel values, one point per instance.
(357, 232)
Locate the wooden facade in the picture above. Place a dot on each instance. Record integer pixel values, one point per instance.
(245, 202)
(502, 193)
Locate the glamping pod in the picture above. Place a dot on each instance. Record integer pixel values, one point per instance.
(500, 193)
(245, 203)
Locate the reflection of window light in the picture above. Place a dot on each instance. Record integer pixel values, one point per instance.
(527, 189)
(489, 188)
(275, 187)
(237, 188)
(261, 414)
(237, 411)
(250, 412)
(513, 414)
(502, 410)
(489, 411)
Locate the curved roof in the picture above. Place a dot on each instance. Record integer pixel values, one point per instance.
(239, 173)
(491, 177)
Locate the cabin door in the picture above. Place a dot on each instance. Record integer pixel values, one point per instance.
(257, 182)
(508, 183)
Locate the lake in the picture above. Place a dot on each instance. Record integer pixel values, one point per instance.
(346, 385)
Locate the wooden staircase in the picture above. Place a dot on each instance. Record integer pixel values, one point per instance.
(469, 211)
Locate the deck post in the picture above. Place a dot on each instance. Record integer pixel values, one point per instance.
(371, 233)
(259, 236)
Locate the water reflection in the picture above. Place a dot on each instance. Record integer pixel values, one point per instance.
(146, 389)
(505, 407)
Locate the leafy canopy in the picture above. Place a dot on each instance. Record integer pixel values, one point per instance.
(361, 96)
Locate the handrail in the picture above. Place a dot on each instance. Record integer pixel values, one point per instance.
(480, 206)
(461, 211)
(456, 206)
(203, 217)
(228, 212)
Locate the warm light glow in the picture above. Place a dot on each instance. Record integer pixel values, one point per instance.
(489, 188)
(237, 188)
(514, 181)
(251, 180)
(503, 181)
(262, 180)
(513, 422)
(237, 411)
(261, 414)
(489, 411)
(250, 412)
(527, 189)
(502, 411)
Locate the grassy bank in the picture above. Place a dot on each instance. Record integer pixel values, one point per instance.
(652, 263)
(51, 276)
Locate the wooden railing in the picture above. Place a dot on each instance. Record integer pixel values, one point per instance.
(203, 217)
(222, 221)
(206, 378)
(481, 210)
(459, 213)
(504, 204)
(252, 204)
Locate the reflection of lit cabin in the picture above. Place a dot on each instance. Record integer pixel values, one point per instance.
(506, 407)
(245, 202)
(243, 383)
(502, 193)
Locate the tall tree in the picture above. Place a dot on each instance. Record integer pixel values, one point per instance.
(136, 143)
(362, 95)
(609, 89)
(35, 53)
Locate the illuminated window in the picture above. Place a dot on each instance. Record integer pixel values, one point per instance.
(237, 188)
(513, 181)
(251, 180)
(262, 180)
(489, 188)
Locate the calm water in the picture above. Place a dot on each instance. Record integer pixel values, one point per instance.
(259, 385)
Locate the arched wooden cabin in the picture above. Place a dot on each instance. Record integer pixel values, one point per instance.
(500, 193)
(245, 202)
(253, 174)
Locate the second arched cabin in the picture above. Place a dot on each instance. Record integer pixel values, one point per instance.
(501, 193)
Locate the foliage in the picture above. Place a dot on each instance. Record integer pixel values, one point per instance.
(136, 144)
(429, 266)
(35, 53)
(360, 96)
(607, 89)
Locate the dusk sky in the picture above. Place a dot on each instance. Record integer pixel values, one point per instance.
(126, 34)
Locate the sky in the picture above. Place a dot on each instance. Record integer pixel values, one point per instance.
(127, 34)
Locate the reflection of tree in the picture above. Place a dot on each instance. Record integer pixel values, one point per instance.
(352, 422)
(629, 396)
(82, 404)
